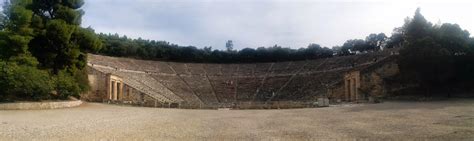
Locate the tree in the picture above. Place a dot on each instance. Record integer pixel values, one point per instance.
(315, 51)
(434, 56)
(375, 41)
(416, 58)
(23, 82)
(60, 43)
(416, 27)
(229, 46)
(121, 46)
(396, 40)
(42, 36)
(247, 54)
(350, 46)
(2, 19)
(16, 34)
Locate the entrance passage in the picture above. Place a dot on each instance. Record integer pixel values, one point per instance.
(115, 87)
(351, 86)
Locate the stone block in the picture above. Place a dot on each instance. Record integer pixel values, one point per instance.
(323, 102)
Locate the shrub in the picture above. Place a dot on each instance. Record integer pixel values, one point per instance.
(66, 85)
(82, 80)
(24, 82)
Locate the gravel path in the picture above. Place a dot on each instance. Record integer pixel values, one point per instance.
(443, 120)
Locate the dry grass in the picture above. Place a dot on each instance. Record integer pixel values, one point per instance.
(443, 120)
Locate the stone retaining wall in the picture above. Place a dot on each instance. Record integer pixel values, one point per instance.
(39, 105)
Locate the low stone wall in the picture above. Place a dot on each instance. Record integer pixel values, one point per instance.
(39, 105)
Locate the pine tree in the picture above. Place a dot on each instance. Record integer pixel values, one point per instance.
(17, 33)
(60, 43)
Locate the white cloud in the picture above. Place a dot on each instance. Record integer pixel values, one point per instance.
(251, 23)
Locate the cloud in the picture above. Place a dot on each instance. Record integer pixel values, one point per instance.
(250, 23)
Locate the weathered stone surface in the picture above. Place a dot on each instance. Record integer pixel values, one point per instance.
(434, 120)
(217, 84)
(39, 105)
(323, 102)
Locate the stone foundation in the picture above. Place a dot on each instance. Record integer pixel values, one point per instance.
(39, 105)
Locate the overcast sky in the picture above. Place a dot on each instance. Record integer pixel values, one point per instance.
(255, 23)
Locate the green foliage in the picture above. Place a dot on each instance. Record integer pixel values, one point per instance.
(17, 17)
(353, 45)
(43, 48)
(115, 45)
(417, 27)
(53, 48)
(373, 42)
(22, 82)
(471, 46)
(87, 39)
(81, 78)
(66, 86)
(2, 21)
(396, 40)
(17, 34)
(24, 59)
(60, 43)
(436, 57)
(45, 34)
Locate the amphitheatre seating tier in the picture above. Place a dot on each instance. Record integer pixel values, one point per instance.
(213, 69)
(201, 87)
(154, 66)
(313, 65)
(270, 87)
(196, 69)
(148, 82)
(256, 69)
(175, 84)
(280, 67)
(130, 64)
(294, 66)
(309, 86)
(229, 69)
(246, 87)
(246, 70)
(105, 61)
(338, 62)
(262, 69)
(292, 90)
(225, 88)
(209, 83)
(179, 68)
(132, 81)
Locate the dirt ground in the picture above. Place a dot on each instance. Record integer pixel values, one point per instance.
(439, 120)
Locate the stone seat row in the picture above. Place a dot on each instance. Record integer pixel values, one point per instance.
(256, 69)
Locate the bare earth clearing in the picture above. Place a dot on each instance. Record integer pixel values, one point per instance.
(443, 120)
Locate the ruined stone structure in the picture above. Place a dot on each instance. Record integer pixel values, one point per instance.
(352, 86)
(348, 78)
(367, 82)
(112, 88)
(115, 87)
